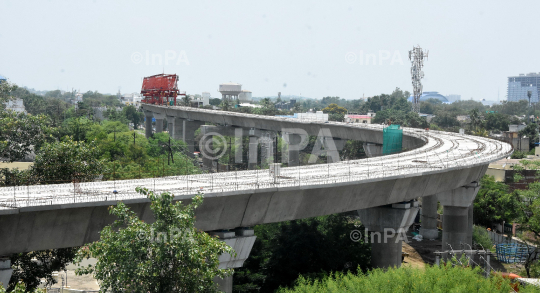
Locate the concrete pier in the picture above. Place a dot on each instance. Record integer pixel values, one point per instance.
(175, 126)
(241, 240)
(188, 134)
(5, 271)
(457, 233)
(295, 143)
(388, 225)
(373, 149)
(252, 152)
(332, 146)
(148, 123)
(429, 217)
(159, 122)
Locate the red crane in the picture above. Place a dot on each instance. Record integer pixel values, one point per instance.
(161, 89)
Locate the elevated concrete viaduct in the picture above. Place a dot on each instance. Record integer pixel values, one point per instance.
(435, 164)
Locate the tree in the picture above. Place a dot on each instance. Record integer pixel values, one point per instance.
(134, 116)
(494, 204)
(6, 89)
(215, 101)
(169, 255)
(476, 121)
(68, 161)
(497, 121)
(531, 133)
(30, 267)
(445, 120)
(19, 134)
(334, 109)
(529, 211)
(186, 101)
(310, 247)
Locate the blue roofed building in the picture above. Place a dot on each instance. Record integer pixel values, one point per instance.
(2, 78)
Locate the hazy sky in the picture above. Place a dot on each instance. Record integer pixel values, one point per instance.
(309, 48)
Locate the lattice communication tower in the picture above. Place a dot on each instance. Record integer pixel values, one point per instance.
(416, 55)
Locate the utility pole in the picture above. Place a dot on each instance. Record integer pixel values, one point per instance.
(529, 94)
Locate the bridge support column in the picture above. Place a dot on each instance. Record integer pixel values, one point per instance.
(148, 123)
(457, 205)
(373, 149)
(332, 146)
(5, 271)
(241, 240)
(429, 217)
(207, 155)
(252, 152)
(267, 139)
(177, 128)
(295, 144)
(159, 122)
(188, 134)
(388, 225)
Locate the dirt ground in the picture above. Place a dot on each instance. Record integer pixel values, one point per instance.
(423, 252)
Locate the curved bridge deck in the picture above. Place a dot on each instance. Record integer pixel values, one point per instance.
(245, 198)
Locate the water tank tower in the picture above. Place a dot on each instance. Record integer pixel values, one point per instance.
(245, 96)
(230, 91)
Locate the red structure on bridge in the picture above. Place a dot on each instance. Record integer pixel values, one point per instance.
(161, 89)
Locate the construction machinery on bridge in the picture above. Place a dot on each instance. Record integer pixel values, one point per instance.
(161, 89)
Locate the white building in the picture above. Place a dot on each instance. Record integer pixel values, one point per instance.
(16, 105)
(131, 99)
(317, 116)
(202, 100)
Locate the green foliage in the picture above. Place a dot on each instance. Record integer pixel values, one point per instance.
(310, 247)
(529, 208)
(6, 90)
(494, 203)
(30, 267)
(497, 121)
(481, 238)
(531, 133)
(445, 120)
(21, 288)
(519, 155)
(96, 99)
(215, 101)
(68, 161)
(19, 133)
(169, 255)
(432, 279)
(133, 115)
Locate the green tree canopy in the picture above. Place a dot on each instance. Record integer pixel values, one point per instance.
(169, 255)
(20, 133)
(68, 161)
(494, 204)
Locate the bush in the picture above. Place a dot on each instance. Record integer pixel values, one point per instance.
(481, 238)
(431, 279)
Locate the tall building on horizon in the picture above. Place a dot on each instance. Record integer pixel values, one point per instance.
(518, 86)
